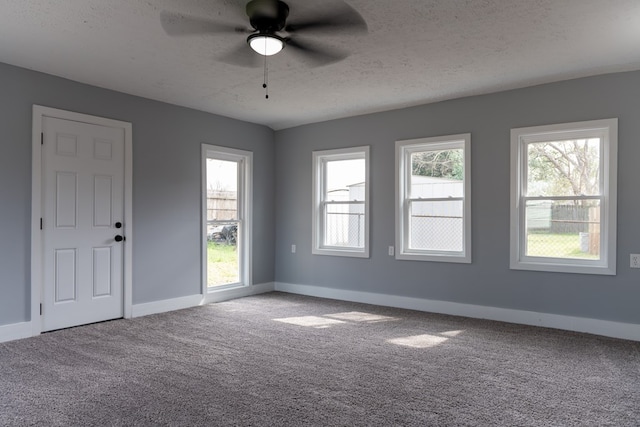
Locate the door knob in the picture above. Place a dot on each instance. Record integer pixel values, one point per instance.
(118, 224)
(119, 238)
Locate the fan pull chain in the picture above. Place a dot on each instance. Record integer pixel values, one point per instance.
(266, 73)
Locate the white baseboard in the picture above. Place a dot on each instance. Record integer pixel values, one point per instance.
(163, 306)
(245, 291)
(607, 328)
(15, 331)
(154, 307)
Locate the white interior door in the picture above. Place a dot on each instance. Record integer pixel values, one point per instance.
(83, 213)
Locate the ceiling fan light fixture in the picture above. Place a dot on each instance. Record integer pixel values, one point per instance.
(265, 44)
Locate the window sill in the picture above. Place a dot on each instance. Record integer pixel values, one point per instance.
(341, 252)
(562, 267)
(412, 256)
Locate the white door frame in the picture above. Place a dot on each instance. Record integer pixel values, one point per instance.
(39, 113)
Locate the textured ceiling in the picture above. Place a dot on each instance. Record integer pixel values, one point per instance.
(415, 52)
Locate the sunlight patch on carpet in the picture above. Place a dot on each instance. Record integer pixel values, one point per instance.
(451, 333)
(359, 316)
(419, 341)
(310, 321)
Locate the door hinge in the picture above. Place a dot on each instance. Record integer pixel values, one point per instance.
(40, 223)
(40, 309)
(41, 138)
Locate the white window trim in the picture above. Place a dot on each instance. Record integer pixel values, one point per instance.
(608, 130)
(245, 210)
(406, 147)
(318, 191)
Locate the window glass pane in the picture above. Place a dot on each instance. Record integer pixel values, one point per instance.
(563, 228)
(344, 225)
(564, 168)
(345, 180)
(223, 263)
(436, 174)
(436, 226)
(222, 190)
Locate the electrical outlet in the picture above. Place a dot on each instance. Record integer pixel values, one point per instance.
(293, 249)
(391, 250)
(635, 260)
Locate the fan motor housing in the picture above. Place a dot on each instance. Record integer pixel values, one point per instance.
(267, 16)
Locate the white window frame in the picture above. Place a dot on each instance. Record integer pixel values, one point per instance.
(607, 130)
(245, 210)
(404, 149)
(320, 158)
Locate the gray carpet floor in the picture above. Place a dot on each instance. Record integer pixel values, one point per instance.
(287, 360)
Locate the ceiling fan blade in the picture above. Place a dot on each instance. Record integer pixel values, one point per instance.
(263, 8)
(314, 53)
(344, 19)
(237, 8)
(242, 56)
(177, 24)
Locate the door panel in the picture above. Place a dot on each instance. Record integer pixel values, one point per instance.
(83, 198)
(65, 275)
(102, 199)
(66, 193)
(101, 272)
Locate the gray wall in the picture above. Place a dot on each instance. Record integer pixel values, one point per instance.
(166, 185)
(488, 280)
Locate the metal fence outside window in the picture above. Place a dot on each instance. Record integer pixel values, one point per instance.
(344, 229)
(436, 233)
(563, 230)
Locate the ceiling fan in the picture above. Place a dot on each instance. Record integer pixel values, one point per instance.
(270, 31)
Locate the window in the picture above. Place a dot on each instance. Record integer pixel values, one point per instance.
(341, 202)
(226, 201)
(563, 197)
(433, 199)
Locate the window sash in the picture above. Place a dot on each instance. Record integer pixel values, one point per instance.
(435, 199)
(412, 234)
(534, 139)
(568, 197)
(597, 226)
(358, 226)
(346, 202)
